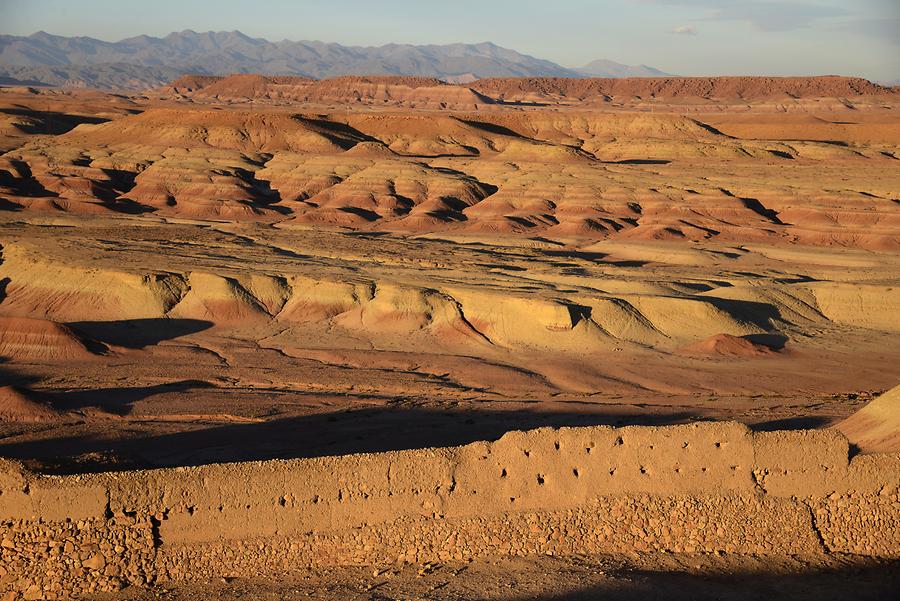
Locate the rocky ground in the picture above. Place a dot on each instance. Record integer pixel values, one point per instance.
(551, 578)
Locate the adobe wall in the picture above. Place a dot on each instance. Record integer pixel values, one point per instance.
(694, 488)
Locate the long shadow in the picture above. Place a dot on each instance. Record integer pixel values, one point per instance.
(139, 333)
(638, 162)
(774, 341)
(368, 430)
(520, 220)
(12, 377)
(26, 185)
(364, 213)
(871, 580)
(711, 129)
(445, 155)
(781, 154)
(762, 315)
(50, 122)
(493, 128)
(792, 423)
(118, 401)
(575, 254)
(341, 134)
(596, 257)
(840, 143)
(518, 102)
(128, 206)
(757, 207)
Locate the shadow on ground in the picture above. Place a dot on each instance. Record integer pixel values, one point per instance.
(580, 578)
(139, 333)
(368, 430)
(118, 401)
(861, 583)
(793, 423)
(50, 122)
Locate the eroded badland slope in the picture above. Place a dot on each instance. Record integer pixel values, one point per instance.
(250, 268)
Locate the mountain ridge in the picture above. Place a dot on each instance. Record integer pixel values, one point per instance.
(607, 68)
(84, 61)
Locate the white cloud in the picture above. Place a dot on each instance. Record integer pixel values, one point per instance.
(684, 30)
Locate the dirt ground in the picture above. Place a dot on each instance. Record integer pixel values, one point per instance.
(583, 578)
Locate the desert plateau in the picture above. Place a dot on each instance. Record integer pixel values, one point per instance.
(411, 337)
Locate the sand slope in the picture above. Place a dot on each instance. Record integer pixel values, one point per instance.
(876, 427)
(20, 406)
(24, 338)
(726, 345)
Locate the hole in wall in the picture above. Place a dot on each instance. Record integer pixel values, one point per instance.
(540, 479)
(503, 473)
(619, 442)
(575, 472)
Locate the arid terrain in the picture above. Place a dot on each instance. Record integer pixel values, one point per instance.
(253, 268)
(371, 263)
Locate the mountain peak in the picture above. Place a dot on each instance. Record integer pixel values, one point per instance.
(224, 52)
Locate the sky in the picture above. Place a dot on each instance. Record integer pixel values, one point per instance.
(683, 37)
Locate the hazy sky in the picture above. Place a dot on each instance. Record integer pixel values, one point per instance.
(686, 37)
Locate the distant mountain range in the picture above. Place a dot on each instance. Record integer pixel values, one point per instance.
(607, 68)
(145, 61)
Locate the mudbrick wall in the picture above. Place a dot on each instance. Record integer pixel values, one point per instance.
(701, 488)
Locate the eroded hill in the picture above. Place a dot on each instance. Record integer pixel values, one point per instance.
(326, 267)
